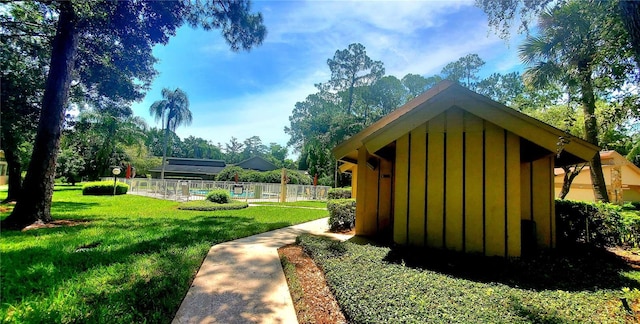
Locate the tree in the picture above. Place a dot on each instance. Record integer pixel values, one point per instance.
(233, 150)
(24, 28)
(503, 88)
(502, 13)
(124, 33)
(464, 70)
(253, 147)
(578, 46)
(417, 84)
(175, 105)
(351, 68)
(383, 97)
(69, 165)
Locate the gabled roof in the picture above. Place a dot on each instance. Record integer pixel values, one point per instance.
(257, 163)
(447, 94)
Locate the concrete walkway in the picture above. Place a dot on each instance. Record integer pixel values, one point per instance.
(242, 281)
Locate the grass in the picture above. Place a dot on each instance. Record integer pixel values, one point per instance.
(206, 205)
(305, 203)
(130, 259)
(379, 284)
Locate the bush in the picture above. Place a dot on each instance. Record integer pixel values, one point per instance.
(342, 214)
(631, 229)
(339, 193)
(597, 224)
(219, 196)
(104, 188)
(205, 205)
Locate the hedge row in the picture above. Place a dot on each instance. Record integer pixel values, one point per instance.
(597, 224)
(294, 176)
(339, 193)
(104, 188)
(342, 214)
(219, 196)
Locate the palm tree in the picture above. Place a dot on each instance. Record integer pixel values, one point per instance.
(176, 105)
(568, 51)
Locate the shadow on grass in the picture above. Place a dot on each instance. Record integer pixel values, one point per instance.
(71, 251)
(577, 269)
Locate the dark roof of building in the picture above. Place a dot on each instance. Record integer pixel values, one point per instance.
(192, 166)
(196, 162)
(257, 163)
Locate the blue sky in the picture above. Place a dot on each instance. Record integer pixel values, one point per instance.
(253, 93)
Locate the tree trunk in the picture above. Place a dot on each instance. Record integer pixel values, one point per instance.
(569, 176)
(630, 13)
(34, 205)
(14, 169)
(591, 132)
(164, 150)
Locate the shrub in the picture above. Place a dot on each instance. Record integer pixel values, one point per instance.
(205, 205)
(219, 196)
(597, 224)
(339, 193)
(631, 229)
(104, 188)
(342, 214)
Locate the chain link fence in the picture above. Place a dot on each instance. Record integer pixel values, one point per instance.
(186, 190)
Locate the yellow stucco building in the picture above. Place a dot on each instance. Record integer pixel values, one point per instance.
(621, 177)
(455, 170)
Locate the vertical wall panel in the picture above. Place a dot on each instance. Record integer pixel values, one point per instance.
(361, 194)
(552, 206)
(401, 192)
(541, 187)
(525, 190)
(384, 196)
(495, 190)
(473, 195)
(371, 200)
(513, 195)
(417, 185)
(454, 185)
(354, 181)
(435, 183)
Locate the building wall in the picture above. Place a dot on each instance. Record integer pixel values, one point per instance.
(581, 188)
(457, 186)
(373, 211)
(537, 197)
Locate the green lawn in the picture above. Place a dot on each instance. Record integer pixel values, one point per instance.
(305, 203)
(379, 284)
(131, 260)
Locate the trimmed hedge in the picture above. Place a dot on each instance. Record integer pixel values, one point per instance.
(597, 224)
(294, 176)
(205, 205)
(342, 214)
(339, 193)
(104, 188)
(219, 196)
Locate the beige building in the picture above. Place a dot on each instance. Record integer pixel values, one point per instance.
(621, 176)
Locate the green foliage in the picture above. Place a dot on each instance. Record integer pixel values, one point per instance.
(219, 196)
(597, 224)
(274, 176)
(342, 214)
(207, 205)
(339, 193)
(428, 286)
(99, 188)
(69, 165)
(464, 70)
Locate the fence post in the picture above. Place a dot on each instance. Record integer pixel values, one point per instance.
(283, 186)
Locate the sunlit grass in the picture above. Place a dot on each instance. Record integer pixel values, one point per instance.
(304, 203)
(129, 259)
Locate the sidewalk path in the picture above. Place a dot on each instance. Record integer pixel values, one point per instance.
(242, 281)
